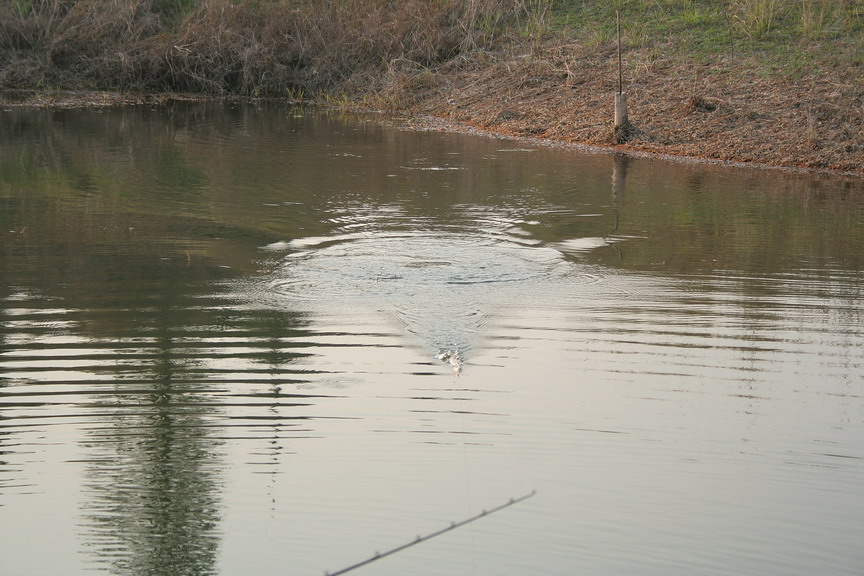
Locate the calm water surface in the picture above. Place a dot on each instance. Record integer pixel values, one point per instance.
(240, 340)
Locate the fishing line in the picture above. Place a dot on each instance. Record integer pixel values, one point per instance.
(453, 526)
(518, 464)
(466, 467)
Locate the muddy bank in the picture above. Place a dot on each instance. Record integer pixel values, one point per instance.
(65, 99)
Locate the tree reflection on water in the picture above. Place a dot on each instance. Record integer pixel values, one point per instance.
(155, 472)
(153, 481)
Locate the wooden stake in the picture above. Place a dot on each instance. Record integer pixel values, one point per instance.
(620, 73)
(620, 97)
(620, 109)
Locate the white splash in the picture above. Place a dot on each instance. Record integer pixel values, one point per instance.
(453, 358)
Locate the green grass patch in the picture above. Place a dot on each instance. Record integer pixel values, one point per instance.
(778, 33)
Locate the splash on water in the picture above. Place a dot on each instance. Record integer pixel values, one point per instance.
(440, 287)
(454, 358)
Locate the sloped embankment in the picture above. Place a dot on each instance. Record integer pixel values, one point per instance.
(815, 121)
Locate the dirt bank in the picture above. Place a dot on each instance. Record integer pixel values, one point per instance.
(717, 113)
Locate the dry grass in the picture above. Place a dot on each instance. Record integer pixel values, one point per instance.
(265, 48)
(754, 18)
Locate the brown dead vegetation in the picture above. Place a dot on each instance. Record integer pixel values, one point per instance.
(224, 47)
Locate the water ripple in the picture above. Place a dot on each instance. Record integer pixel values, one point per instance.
(440, 287)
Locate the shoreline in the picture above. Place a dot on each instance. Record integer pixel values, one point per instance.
(704, 82)
(435, 123)
(417, 117)
(812, 124)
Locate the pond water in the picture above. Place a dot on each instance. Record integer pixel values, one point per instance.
(268, 340)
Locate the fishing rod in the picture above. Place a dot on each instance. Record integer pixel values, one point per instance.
(419, 539)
